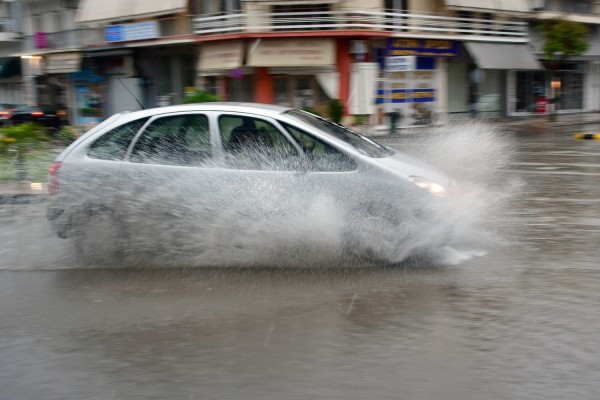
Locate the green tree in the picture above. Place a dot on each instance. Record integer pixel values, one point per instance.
(563, 39)
(20, 140)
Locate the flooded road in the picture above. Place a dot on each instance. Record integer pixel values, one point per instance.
(518, 322)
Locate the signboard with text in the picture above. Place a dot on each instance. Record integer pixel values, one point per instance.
(135, 31)
(421, 47)
(405, 96)
(400, 63)
(292, 52)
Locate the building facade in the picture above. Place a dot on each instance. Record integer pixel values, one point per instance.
(413, 61)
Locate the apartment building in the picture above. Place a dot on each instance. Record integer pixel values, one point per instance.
(421, 60)
(576, 81)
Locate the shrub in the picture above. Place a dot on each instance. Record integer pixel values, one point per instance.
(22, 139)
(200, 97)
(336, 110)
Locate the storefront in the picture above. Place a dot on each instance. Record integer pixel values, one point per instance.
(55, 88)
(535, 90)
(412, 81)
(295, 72)
(10, 80)
(481, 78)
(89, 97)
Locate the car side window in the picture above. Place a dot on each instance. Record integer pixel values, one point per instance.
(253, 143)
(175, 140)
(114, 144)
(322, 156)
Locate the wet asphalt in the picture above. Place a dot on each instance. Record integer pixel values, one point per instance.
(512, 317)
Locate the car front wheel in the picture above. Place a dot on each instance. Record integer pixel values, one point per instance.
(377, 233)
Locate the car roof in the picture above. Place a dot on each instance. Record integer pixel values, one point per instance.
(254, 108)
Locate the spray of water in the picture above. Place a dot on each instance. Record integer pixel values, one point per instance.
(213, 216)
(477, 156)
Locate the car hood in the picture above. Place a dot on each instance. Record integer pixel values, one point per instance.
(403, 165)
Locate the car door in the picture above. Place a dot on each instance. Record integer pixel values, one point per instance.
(259, 170)
(170, 168)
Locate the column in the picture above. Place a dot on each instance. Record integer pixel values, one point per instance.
(263, 86)
(344, 65)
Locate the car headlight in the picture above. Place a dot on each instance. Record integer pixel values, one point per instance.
(432, 187)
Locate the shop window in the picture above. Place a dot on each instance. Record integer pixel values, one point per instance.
(531, 91)
(240, 89)
(300, 91)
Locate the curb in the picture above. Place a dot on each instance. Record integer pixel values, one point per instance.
(22, 198)
(586, 136)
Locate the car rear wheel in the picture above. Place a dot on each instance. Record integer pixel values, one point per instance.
(100, 240)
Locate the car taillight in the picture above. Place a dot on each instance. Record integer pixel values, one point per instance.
(37, 114)
(53, 178)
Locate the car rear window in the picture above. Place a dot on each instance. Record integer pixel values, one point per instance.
(114, 144)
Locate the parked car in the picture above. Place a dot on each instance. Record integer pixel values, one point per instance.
(198, 177)
(6, 111)
(46, 116)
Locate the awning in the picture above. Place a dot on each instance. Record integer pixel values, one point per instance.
(221, 55)
(490, 5)
(291, 52)
(112, 10)
(10, 66)
(62, 63)
(301, 2)
(502, 56)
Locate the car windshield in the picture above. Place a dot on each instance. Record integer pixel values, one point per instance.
(361, 143)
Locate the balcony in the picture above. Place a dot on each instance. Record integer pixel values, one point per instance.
(63, 40)
(386, 23)
(8, 30)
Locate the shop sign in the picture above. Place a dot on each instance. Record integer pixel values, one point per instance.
(134, 31)
(422, 47)
(41, 40)
(221, 55)
(62, 63)
(405, 96)
(400, 63)
(292, 52)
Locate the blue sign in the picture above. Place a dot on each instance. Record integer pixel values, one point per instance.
(421, 47)
(135, 31)
(405, 96)
(113, 33)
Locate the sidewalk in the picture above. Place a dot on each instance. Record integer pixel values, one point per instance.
(562, 121)
(525, 124)
(21, 193)
(30, 192)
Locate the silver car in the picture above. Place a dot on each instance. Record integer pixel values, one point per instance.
(215, 179)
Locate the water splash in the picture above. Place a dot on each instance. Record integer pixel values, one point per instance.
(295, 220)
(478, 156)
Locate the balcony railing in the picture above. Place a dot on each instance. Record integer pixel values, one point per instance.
(70, 39)
(399, 24)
